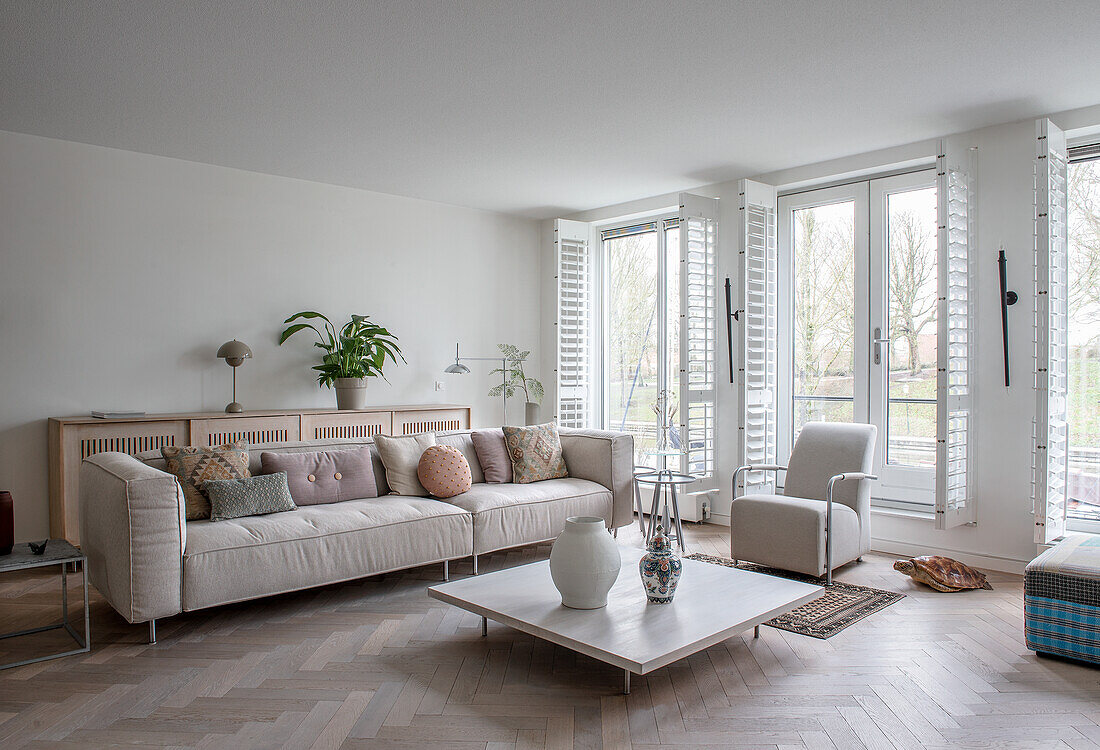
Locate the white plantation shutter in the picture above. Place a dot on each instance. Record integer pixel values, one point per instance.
(1050, 429)
(699, 334)
(758, 344)
(955, 318)
(573, 258)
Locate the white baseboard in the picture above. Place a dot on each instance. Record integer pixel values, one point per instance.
(993, 562)
(895, 547)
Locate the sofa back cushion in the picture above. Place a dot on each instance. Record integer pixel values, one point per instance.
(400, 455)
(324, 476)
(465, 443)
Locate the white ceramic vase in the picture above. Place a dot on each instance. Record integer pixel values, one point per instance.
(584, 562)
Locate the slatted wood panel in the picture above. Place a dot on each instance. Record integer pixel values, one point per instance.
(440, 420)
(77, 442)
(252, 430)
(346, 425)
(375, 663)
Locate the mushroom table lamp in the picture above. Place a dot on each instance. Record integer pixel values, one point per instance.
(234, 353)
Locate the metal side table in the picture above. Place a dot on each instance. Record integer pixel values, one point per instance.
(58, 552)
(672, 481)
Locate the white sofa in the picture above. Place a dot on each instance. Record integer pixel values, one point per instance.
(149, 563)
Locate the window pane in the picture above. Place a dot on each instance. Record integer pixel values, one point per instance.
(1084, 341)
(672, 334)
(911, 352)
(824, 310)
(632, 338)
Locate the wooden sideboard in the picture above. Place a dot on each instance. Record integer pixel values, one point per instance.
(72, 439)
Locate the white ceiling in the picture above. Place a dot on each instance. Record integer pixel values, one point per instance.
(535, 108)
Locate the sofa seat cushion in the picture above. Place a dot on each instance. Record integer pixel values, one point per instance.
(256, 556)
(508, 515)
(789, 532)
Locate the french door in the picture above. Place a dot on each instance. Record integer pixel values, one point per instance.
(858, 296)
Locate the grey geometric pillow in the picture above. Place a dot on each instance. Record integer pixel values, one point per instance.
(251, 496)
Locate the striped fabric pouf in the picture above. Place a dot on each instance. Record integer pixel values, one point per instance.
(1062, 600)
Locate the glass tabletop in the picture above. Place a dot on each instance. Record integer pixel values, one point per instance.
(665, 477)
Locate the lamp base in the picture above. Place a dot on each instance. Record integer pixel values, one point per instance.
(234, 408)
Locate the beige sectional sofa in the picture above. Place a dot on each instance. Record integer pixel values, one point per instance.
(149, 563)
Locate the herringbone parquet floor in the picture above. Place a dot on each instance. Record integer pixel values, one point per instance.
(376, 663)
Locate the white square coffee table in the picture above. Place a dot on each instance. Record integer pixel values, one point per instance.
(712, 603)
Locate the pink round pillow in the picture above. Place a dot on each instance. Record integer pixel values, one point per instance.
(443, 471)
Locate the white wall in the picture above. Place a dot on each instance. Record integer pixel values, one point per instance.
(1003, 535)
(122, 273)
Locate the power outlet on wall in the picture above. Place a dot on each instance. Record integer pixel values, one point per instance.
(439, 386)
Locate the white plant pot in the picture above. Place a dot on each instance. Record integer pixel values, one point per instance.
(351, 393)
(584, 562)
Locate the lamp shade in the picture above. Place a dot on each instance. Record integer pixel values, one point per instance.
(234, 352)
(457, 369)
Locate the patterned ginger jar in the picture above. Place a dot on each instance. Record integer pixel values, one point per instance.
(660, 569)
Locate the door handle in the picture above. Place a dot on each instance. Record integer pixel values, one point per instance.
(877, 341)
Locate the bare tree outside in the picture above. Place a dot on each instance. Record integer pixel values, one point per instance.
(1084, 341)
(824, 299)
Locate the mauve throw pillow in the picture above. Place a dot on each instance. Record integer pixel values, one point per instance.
(492, 454)
(324, 476)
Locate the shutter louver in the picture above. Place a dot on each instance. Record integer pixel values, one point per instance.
(758, 345)
(954, 403)
(574, 317)
(1050, 429)
(698, 334)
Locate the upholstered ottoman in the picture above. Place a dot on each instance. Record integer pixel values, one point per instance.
(1062, 600)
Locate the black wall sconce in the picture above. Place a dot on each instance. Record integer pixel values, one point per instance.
(1007, 298)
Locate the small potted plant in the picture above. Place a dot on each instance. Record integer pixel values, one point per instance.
(516, 381)
(351, 355)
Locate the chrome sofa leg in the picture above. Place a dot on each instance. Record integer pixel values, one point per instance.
(756, 632)
(152, 631)
(446, 570)
(475, 565)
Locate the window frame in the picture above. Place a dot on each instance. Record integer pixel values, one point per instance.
(870, 223)
(662, 219)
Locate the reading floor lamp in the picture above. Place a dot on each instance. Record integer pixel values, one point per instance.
(457, 368)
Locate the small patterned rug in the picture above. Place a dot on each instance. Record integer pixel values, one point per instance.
(841, 605)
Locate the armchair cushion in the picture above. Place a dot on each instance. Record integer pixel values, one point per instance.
(789, 532)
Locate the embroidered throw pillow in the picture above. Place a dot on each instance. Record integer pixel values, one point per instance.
(400, 456)
(250, 496)
(193, 466)
(535, 452)
(324, 476)
(492, 454)
(444, 471)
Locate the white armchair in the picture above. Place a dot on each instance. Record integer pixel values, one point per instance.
(822, 519)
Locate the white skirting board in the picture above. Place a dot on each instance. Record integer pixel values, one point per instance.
(905, 549)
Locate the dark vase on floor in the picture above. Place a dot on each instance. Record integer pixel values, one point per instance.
(7, 523)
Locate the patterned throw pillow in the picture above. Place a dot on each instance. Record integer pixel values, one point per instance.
(444, 471)
(535, 452)
(251, 496)
(193, 466)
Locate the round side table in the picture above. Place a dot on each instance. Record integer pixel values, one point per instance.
(672, 481)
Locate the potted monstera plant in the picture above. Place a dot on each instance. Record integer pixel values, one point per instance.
(352, 354)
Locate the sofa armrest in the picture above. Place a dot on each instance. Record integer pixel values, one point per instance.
(133, 531)
(606, 458)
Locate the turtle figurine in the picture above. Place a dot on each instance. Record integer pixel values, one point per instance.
(942, 573)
